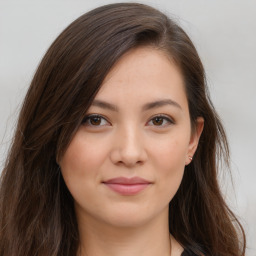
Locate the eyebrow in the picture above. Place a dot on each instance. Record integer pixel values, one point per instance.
(105, 105)
(160, 103)
(147, 106)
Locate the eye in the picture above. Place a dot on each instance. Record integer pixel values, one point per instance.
(95, 120)
(160, 120)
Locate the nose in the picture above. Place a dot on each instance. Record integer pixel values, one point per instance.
(128, 148)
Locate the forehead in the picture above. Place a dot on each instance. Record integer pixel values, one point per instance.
(143, 74)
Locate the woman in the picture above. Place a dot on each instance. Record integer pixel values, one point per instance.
(117, 146)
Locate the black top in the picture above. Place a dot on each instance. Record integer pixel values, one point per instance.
(187, 253)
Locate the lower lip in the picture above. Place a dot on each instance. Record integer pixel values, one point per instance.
(127, 189)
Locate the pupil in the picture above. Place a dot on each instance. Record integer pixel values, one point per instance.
(158, 121)
(95, 120)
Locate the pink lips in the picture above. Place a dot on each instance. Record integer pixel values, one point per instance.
(127, 186)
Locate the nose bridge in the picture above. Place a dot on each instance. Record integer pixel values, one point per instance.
(129, 147)
(131, 137)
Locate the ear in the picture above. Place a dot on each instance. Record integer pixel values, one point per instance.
(194, 139)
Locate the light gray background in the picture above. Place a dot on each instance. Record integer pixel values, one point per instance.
(224, 33)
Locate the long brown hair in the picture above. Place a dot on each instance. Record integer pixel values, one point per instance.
(36, 209)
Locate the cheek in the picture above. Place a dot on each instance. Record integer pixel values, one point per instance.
(82, 154)
(171, 151)
(169, 162)
(80, 163)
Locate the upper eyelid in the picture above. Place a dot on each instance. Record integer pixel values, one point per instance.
(93, 115)
(167, 117)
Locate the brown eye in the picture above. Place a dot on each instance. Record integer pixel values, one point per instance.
(161, 121)
(95, 120)
(158, 120)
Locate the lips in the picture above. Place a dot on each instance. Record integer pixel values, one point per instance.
(127, 186)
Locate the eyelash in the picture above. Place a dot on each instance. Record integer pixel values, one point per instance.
(164, 118)
(87, 120)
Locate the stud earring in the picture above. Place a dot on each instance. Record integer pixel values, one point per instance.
(190, 158)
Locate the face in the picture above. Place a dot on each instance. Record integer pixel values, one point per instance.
(127, 159)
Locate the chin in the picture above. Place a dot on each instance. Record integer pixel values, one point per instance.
(127, 221)
(128, 216)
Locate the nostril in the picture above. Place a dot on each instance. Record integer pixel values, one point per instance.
(129, 163)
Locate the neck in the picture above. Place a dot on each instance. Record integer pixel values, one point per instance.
(101, 239)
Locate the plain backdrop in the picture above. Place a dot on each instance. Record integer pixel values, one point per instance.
(224, 33)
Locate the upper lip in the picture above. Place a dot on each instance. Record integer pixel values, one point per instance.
(127, 181)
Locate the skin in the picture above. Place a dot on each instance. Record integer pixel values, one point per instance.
(128, 140)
